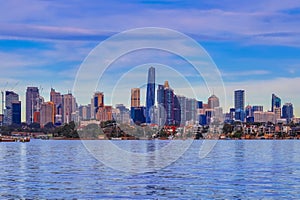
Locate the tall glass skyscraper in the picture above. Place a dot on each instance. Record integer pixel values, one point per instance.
(150, 98)
(239, 104)
(288, 112)
(32, 97)
(11, 108)
(169, 111)
(276, 102)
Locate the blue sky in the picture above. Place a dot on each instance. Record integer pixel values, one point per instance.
(255, 44)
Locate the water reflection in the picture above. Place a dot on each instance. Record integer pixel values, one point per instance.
(233, 170)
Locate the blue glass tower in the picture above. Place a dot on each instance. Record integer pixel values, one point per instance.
(16, 112)
(150, 98)
(276, 102)
(288, 112)
(239, 104)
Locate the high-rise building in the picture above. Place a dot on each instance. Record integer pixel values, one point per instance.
(248, 111)
(85, 112)
(288, 112)
(104, 113)
(213, 102)
(169, 111)
(121, 114)
(137, 112)
(135, 97)
(277, 112)
(69, 106)
(257, 108)
(56, 98)
(10, 97)
(150, 97)
(98, 101)
(191, 110)
(32, 102)
(16, 112)
(182, 103)
(138, 115)
(161, 115)
(239, 104)
(239, 99)
(47, 113)
(260, 116)
(275, 103)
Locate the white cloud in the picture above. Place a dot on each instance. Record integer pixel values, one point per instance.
(245, 73)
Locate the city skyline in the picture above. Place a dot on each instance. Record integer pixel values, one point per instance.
(65, 104)
(46, 51)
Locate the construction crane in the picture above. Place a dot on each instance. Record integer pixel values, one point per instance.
(15, 85)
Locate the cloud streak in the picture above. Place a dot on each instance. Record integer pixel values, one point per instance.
(258, 23)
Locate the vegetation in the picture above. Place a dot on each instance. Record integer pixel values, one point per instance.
(91, 131)
(67, 131)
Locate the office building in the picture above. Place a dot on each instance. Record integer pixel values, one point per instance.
(56, 98)
(257, 108)
(182, 103)
(121, 114)
(47, 113)
(104, 113)
(98, 102)
(275, 103)
(16, 112)
(288, 112)
(264, 117)
(150, 96)
(32, 103)
(10, 98)
(239, 104)
(85, 112)
(169, 111)
(213, 102)
(135, 97)
(69, 106)
(138, 115)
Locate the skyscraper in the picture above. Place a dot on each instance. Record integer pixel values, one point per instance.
(257, 108)
(85, 112)
(16, 112)
(161, 105)
(10, 98)
(275, 103)
(98, 101)
(287, 112)
(47, 113)
(182, 103)
(32, 98)
(213, 101)
(135, 97)
(56, 98)
(137, 112)
(150, 97)
(239, 104)
(69, 106)
(169, 112)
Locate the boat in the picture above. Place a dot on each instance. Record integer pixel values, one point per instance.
(24, 139)
(8, 139)
(116, 138)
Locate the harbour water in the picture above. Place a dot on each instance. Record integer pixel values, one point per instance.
(234, 169)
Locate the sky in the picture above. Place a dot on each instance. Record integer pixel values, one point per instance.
(254, 44)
